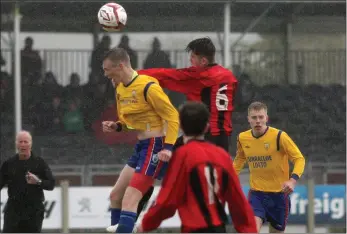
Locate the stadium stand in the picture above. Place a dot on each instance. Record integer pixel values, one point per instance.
(313, 115)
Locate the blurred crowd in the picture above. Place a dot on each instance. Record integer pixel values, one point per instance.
(314, 115)
(48, 107)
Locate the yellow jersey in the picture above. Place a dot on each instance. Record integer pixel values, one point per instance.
(267, 157)
(142, 105)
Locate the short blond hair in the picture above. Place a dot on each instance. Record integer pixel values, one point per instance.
(257, 106)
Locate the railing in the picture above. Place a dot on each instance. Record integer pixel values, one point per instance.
(263, 67)
(323, 173)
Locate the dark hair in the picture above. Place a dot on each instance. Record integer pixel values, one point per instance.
(203, 47)
(117, 55)
(194, 117)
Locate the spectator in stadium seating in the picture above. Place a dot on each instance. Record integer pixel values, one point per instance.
(157, 57)
(26, 176)
(51, 87)
(73, 90)
(53, 116)
(124, 43)
(31, 62)
(98, 55)
(73, 119)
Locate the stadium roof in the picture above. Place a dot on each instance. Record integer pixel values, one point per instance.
(179, 15)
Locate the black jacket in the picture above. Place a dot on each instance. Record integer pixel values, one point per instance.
(13, 174)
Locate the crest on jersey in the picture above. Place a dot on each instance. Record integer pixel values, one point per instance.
(133, 93)
(155, 158)
(267, 146)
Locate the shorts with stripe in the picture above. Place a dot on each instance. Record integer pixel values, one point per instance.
(145, 158)
(271, 207)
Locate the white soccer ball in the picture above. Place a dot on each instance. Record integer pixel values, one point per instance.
(112, 17)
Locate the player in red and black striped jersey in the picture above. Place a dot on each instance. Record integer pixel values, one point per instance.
(204, 81)
(199, 181)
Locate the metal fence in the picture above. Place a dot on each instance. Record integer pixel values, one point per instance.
(324, 173)
(263, 67)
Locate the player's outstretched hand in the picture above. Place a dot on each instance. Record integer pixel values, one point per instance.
(288, 186)
(165, 155)
(108, 126)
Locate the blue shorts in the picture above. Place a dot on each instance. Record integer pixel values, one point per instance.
(271, 207)
(145, 158)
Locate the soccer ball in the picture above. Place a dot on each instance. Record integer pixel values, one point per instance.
(112, 17)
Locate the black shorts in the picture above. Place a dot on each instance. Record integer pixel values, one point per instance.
(221, 140)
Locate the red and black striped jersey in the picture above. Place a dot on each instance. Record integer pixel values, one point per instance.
(199, 181)
(213, 85)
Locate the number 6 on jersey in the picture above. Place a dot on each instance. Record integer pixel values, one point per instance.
(222, 100)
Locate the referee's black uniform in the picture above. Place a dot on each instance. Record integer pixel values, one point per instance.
(24, 211)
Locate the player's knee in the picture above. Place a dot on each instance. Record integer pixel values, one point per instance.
(131, 199)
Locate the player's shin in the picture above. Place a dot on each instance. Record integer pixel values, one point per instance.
(115, 215)
(129, 210)
(126, 222)
(144, 200)
(116, 204)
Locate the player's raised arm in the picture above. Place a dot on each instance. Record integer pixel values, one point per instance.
(240, 159)
(243, 216)
(294, 155)
(178, 80)
(162, 105)
(170, 196)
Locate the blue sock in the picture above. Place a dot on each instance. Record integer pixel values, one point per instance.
(115, 215)
(126, 222)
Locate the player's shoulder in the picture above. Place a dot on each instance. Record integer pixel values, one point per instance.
(277, 131)
(225, 73)
(202, 145)
(146, 83)
(244, 134)
(144, 79)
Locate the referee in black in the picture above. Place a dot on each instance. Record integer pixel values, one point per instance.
(26, 176)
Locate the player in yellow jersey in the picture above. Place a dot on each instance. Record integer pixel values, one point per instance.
(267, 151)
(142, 106)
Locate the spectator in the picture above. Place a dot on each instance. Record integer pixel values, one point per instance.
(98, 54)
(73, 90)
(31, 62)
(157, 58)
(51, 87)
(73, 119)
(124, 43)
(53, 117)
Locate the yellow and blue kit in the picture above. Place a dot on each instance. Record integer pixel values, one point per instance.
(142, 105)
(267, 157)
